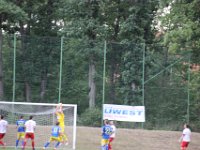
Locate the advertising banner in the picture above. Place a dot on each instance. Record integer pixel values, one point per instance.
(124, 113)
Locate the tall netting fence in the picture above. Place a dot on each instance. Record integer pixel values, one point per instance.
(31, 65)
(154, 77)
(82, 72)
(34, 70)
(167, 86)
(135, 74)
(125, 64)
(125, 76)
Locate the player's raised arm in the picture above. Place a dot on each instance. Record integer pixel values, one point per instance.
(57, 108)
(61, 108)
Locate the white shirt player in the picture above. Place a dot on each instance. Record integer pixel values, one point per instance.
(114, 130)
(30, 126)
(186, 135)
(3, 126)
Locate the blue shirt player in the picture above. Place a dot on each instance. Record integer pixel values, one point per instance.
(55, 136)
(20, 130)
(106, 132)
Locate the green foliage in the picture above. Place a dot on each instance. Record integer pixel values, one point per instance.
(182, 34)
(127, 26)
(131, 76)
(182, 28)
(10, 11)
(195, 100)
(91, 117)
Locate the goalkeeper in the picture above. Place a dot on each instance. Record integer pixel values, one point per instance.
(61, 119)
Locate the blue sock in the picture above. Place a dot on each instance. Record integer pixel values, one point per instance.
(47, 144)
(22, 142)
(57, 144)
(106, 147)
(103, 147)
(17, 142)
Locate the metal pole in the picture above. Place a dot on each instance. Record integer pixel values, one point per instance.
(60, 75)
(188, 91)
(14, 67)
(143, 75)
(104, 76)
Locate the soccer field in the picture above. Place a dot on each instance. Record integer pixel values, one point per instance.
(128, 139)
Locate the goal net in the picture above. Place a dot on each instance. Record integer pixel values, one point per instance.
(45, 117)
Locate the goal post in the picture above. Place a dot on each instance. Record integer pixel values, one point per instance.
(45, 117)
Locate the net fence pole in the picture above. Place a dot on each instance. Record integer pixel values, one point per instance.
(104, 76)
(60, 74)
(188, 94)
(14, 67)
(143, 75)
(14, 72)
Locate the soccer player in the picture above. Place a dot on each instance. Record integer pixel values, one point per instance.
(29, 133)
(112, 136)
(55, 136)
(185, 137)
(20, 130)
(61, 119)
(106, 132)
(3, 128)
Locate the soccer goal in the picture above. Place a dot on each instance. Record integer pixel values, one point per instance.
(45, 117)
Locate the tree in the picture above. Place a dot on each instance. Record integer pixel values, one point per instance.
(180, 25)
(10, 13)
(129, 22)
(115, 21)
(83, 21)
(43, 17)
(182, 28)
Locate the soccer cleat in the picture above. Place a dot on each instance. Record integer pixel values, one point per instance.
(66, 143)
(60, 144)
(43, 148)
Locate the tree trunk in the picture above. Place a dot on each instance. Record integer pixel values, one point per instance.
(112, 96)
(165, 64)
(26, 81)
(27, 91)
(1, 66)
(92, 85)
(112, 93)
(43, 86)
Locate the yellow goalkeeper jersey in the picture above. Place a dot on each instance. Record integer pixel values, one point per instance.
(61, 119)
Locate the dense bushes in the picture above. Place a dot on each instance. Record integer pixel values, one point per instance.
(91, 117)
